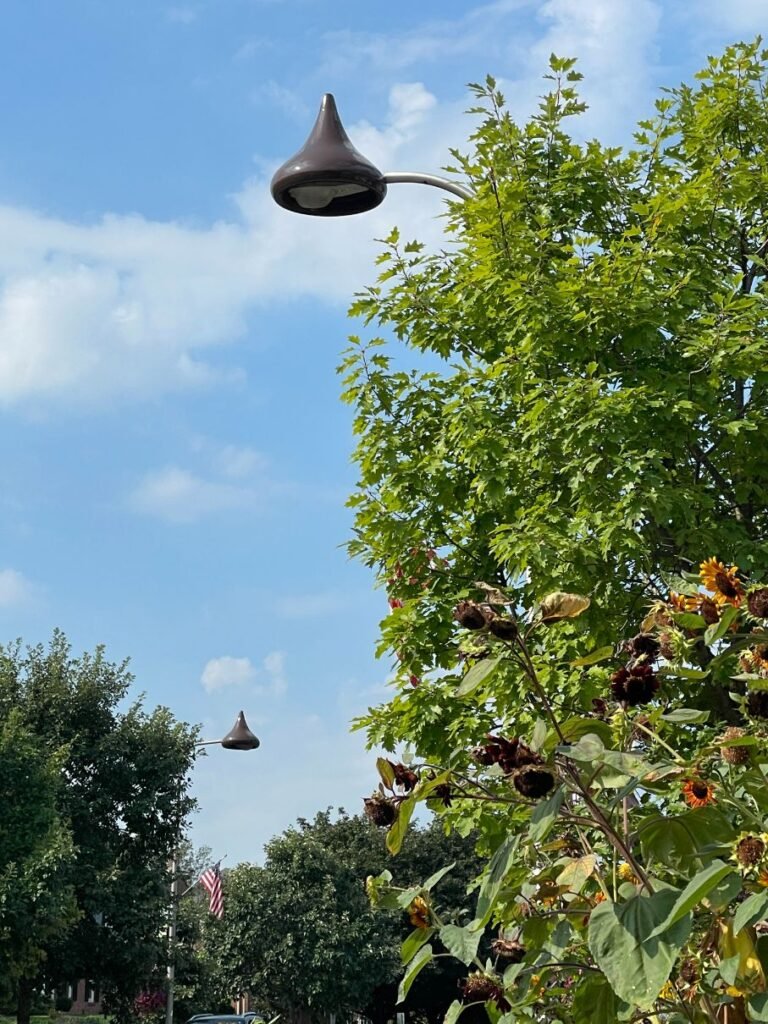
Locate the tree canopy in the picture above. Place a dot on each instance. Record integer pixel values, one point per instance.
(299, 935)
(101, 788)
(567, 506)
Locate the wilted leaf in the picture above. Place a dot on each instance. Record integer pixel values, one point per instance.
(493, 595)
(386, 771)
(563, 606)
(574, 875)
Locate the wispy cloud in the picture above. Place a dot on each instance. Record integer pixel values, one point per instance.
(274, 682)
(272, 94)
(266, 680)
(220, 673)
(179, 496)
(15, 589)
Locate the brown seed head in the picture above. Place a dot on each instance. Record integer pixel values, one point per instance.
(709, 611)
(757, 602)
(757, 703)
(470, 615)
(749, 851)
(381, 810)
(503, 629)
(644, 643)
(734, 755)
(508, 949)
(405, 777)
(533, 782)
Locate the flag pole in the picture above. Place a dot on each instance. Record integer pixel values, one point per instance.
(171, 971)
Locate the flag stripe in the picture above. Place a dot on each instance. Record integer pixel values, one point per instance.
(211, 881)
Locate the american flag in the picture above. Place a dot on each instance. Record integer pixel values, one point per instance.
(211, 880)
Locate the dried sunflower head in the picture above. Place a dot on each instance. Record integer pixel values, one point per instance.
(757, 602)
(738, 754)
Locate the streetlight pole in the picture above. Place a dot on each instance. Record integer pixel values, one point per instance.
(239, 737)
(328, 177)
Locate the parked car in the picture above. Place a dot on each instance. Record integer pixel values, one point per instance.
(226, 1018)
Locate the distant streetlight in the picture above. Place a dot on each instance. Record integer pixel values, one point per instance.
(329, 178)
(239, 737)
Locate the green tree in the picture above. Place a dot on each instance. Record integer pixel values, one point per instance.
(588, 420)
(36, 895)
(121, 804)
(300, 935)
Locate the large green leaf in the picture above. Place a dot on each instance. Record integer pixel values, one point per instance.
(432, 881)
(634, 960)
(499, 865)
(758, 1007)
(594, 1001)
(399, 827)
(698, 887)
(414, 942)
(418, 963)
(680, 839)
(461, 942)
(476, 675)
(754, 908)
(601, 654)
(544, 816)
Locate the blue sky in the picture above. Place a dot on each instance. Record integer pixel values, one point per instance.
(174, 459)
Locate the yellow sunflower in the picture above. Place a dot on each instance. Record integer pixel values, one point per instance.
(682, 603)
(723, 583)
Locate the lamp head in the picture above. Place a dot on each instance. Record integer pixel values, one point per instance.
(328, 177)
(240, 736)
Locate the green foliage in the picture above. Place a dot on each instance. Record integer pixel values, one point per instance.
(586, 431)
(107, 799)
(299, 933)
(36, 892)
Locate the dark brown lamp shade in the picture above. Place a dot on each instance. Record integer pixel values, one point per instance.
(328, 177)
(240, 736)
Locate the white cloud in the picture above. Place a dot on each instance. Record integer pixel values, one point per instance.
(227, 671)
(15, 589)
(127, 307)
(272, 94)
(179, 496)
(267, 680)
(616, 44)
(236, 462)
(273, 672)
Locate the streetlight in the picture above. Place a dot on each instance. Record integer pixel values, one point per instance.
(239, 737)
(329, 178)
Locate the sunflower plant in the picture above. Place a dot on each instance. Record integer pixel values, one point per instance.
(622, 796)
(581, 405)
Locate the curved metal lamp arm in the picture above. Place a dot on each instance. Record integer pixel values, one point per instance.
(398, 177)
